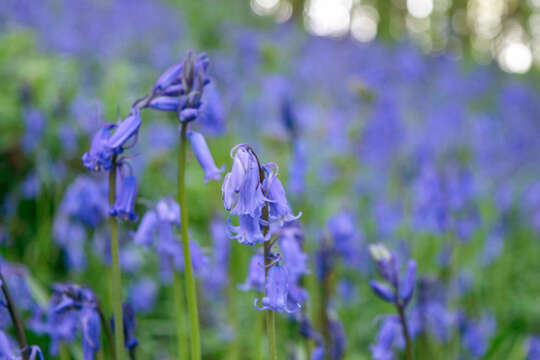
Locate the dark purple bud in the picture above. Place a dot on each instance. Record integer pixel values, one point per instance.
(204, 156)
(174, 90)
(125, 200)
(408, 283)
(166, 103)
(125, 131)
(383, 291)
(187, 115)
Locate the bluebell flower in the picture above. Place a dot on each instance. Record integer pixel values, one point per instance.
(402, 288)
(31, 185)
(124, 203)
(125, 131)
(346, 237)
(255, 278)
(142, 294)
(389, 337)
(249, 230)
(212, 113)
(85, 201)
(241, 187)
(98, 158)
(306, 330)
(6, 347)
(338, 340)
(90, 331)
(130, 341)
(217, 276)
(279, 209)
(276, 287)
(180, 88)
(294, 259)
(533, 348)
(476, 334)
(204, 156)
(71, 308)
(34, 122)
(298, 168)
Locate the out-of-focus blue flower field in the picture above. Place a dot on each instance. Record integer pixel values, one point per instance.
(309, 189)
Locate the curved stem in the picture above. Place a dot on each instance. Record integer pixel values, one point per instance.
(408, 344)
(17, 324)
(191, 292)
(116, 277)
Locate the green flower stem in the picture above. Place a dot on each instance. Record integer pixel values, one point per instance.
(116, 277)
(191, 292)
(106, 325)
(270, 316)
(180, 310)
(408, 343)
(17, 323)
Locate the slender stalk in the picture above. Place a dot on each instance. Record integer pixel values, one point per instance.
(191, 292)
(17, 323)
(116, 277)
(108, 332)
(408, 344)
(259, 333)
(180, 309)
(270, 316)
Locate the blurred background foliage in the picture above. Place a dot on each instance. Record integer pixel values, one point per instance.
(377, 88)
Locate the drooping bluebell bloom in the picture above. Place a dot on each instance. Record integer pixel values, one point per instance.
(212, 113)
(390, 336)
(124, 203)
(216, 278)
(533, 348)
(98, 158)
(34, 122)
(276, 286)
(306, 330)
(204, 156)
(7, 348)
(71, 308)
(125, 131)
(249, 230)
(130, 341)
(476, 333)
(86, 201)
(294, 259)
(242, 186)
(279, 209)
(90, 331)
(31, 185)
(338, 339)
(255, 279)
(346, 237)
(142, 294)
(298, 168)
(402, 288)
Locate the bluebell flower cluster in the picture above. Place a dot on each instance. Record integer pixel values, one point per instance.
(253, 192)
(157, 230)
(72, 309)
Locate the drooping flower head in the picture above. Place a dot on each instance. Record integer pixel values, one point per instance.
(275, 298)
(204, 156)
